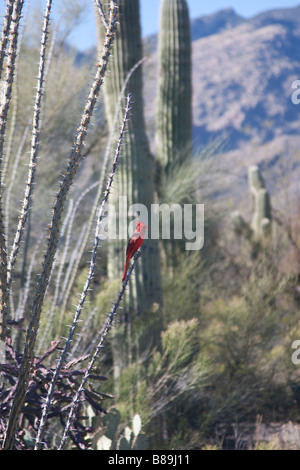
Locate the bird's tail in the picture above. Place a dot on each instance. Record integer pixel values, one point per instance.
(125, 269)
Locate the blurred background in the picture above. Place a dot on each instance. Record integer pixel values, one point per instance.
(203, 353)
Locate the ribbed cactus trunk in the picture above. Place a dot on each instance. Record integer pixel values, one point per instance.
(174, 99)
(135, 181)
(261, 221)
(260, 229)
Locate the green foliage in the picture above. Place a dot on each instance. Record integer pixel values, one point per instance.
(210, 447)
(245, 340)
(266, 446)
(169, 380)
(133, 392)
(180, 343)
(177, 380)
(182, 290)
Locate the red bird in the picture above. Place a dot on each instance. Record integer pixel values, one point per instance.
(133, 245)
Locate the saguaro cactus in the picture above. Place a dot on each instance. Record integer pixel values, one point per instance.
(135, 182)
(174, 111)
(260, 226)
(261, 221)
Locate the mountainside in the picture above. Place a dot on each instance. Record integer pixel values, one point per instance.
(216, 23)
(243, 70)
(243, 83)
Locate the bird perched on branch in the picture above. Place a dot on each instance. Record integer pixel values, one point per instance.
(134, 243)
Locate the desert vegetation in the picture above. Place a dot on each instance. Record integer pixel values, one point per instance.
(194, 349)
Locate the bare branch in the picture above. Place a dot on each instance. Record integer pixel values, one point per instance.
(54, 226)
(103, 334)
(4, 107)
(88, 282)
(5, 32)
(100, 185)
(101, 13)
(34, 148)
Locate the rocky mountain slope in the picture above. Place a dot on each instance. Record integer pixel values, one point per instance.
(243, 71)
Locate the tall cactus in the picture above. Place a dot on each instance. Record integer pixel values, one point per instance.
(260, 226)
(174, 109)
(261, 221)
(135, 181)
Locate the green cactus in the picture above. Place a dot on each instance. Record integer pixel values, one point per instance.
(128, 439)
(174, 109)
(136, 183)
(136, 175)
(112, 421)
(261, 224)
(261, 221)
